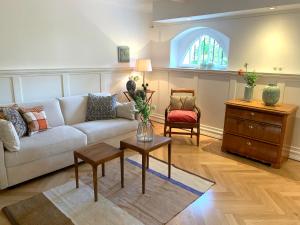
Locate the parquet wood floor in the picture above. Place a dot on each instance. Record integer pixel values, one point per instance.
(246, 192)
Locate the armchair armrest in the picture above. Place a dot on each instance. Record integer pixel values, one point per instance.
(166, 112)
(198, 111)
(3, 176)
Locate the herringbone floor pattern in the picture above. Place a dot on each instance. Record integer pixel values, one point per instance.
(246, 193)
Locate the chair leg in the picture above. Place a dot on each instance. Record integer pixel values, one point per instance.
(192, 132)
(165, 130)
(170, 131)
(198, 135)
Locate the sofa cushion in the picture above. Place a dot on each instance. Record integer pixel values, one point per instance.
(47, 143)
(74, 108)
(52, 110)
(99, 130)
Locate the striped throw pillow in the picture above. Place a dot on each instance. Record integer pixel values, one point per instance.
(35, 118)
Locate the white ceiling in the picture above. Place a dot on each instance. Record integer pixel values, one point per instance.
(168, 11)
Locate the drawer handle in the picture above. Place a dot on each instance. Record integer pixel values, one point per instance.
(249, 143)
(251, 126)
(252, 114)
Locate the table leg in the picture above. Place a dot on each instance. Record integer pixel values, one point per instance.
(103, 169)
(148, 161)
(143, 172)
(95, 183)
(76, 170)
(122, 169)
(169, 160)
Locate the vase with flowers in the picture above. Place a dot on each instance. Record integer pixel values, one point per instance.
(250, 78)
(144, 109)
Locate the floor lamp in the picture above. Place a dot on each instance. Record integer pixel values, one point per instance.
(143, 65)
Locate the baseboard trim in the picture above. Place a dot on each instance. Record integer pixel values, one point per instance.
(218, 133)
(295, 153)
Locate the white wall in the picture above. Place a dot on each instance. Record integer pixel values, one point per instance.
(213, 88)
(71, 33)
(264, 42)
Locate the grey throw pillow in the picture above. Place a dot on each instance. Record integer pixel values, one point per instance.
(16, 119)
(101, 107)
(126, 110)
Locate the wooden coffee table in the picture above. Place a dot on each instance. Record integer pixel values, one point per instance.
(144, 148)
(95, 155)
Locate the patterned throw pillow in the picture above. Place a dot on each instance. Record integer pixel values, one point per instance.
(16, 119)
(2, 116)
(101, 107)
(35, 118)
(182, 102)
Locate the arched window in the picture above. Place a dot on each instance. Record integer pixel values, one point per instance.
(200, 47)
(204, 52)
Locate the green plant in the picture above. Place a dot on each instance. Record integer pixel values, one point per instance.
(143, 108)
(249, 77)
(134, 78)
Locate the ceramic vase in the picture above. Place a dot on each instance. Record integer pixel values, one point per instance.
(248, 93)
(144, 131)
(271, 94)
(131, 86)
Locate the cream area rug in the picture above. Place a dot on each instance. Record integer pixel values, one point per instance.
(66, 205)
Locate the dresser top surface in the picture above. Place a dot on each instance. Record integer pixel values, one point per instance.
(259, 105)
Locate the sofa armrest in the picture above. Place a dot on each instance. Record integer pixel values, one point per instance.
(3, 176)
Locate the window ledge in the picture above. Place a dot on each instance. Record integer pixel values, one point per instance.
(285, 76)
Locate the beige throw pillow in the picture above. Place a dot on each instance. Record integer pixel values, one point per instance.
(9, 136)
(126, 110)
(182, 102)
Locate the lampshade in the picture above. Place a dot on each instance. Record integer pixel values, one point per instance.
(143, 65)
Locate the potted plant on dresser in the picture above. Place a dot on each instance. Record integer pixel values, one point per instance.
(250, 78)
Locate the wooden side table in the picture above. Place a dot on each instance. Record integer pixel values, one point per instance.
(144, 148)
(95, 155)
(149, 94)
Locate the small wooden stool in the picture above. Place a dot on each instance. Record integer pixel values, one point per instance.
(95, 155)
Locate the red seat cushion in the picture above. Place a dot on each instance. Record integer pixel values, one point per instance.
(182, 116)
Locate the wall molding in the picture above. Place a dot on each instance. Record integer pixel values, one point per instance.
(287, 77)
(18, 72)
(295, 153)
(26, 85)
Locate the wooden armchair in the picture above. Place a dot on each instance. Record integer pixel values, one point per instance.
(184, 119)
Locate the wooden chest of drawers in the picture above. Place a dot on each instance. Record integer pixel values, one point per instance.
(257, 131)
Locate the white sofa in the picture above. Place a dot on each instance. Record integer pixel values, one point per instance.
(51, 150)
